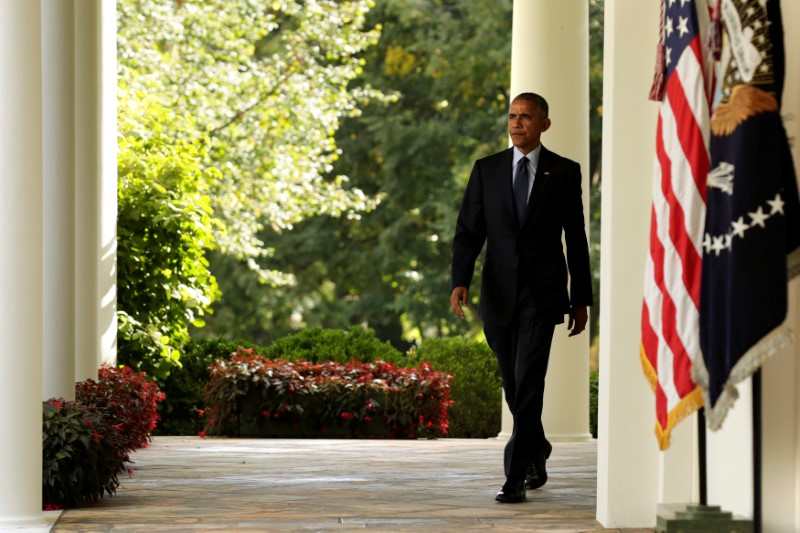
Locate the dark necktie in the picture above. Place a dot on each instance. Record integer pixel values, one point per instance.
(521, 188)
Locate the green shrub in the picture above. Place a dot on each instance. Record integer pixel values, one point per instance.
(476, 389)
(86, 442)
(250, 395)
(184, 386)
(342, 346)
(164, 230)
(594, 378)
(82, 453)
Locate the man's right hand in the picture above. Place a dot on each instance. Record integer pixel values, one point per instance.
(458, 300)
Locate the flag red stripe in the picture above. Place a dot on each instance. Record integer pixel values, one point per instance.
(689, 134)
(669, 311)
(691, 264)
(691, 139)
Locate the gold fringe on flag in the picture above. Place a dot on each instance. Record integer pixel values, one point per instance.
(688, 404)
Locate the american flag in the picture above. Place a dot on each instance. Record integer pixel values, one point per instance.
(670, 314)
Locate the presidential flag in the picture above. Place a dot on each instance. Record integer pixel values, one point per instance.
(670, 314)
(751, 244)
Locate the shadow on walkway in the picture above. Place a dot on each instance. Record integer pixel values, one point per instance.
(192, 484)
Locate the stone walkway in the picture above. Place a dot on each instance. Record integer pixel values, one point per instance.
(183, 484)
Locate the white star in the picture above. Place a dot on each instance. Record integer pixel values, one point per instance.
(759, 217)
(707, 243)
(683, 25)
(776, 205)
(668, 26)
(718, 245)
(728, 241)
(739, 227)
(671, 2)
(668, 55)
(683, 2)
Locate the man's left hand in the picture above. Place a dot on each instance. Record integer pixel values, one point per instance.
(577, 320)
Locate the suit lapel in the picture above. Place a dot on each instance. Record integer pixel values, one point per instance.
(506, 172)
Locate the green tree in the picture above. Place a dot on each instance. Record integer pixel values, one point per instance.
(255, 91)
(447, 62)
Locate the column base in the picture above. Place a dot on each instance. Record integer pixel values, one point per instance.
(695, 518)
(35, 524)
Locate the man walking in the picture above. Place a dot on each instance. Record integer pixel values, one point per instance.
(518, 202)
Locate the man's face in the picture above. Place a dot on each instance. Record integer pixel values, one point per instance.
(526, 124)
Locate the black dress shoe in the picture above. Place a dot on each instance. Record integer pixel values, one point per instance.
(537, 471)
(511, 492)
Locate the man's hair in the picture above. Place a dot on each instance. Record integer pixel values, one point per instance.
(540, 102)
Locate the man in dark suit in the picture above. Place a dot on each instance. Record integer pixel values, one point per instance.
(518, 202)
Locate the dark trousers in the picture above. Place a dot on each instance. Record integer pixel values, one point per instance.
(523, 349)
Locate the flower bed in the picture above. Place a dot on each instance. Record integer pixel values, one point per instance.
(128, 399)
(250, 395)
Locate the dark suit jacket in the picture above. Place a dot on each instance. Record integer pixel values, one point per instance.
(531, 254)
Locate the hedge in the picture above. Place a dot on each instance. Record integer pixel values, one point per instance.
(476, 389)
(254, 396)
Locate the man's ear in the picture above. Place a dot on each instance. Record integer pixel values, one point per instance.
(546, 124)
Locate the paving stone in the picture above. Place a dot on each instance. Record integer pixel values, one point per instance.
(184, 484)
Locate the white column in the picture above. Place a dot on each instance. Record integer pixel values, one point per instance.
(781, 374)
(96, 189)
(107, 194)
(21, 268)
(628, 456)
(550, 56)
(729, 456)
(58, 108)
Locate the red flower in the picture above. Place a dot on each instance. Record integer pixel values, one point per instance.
(88, 423)
(367, 419)
(202, 434)
(96, 435)
(265, 413)
(291, 388)
(346, 415)
(370, 406)
(201, 412)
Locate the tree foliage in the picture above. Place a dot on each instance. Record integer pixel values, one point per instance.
(448, 63)
(267, 84)
(164, 227)
(246, 98)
